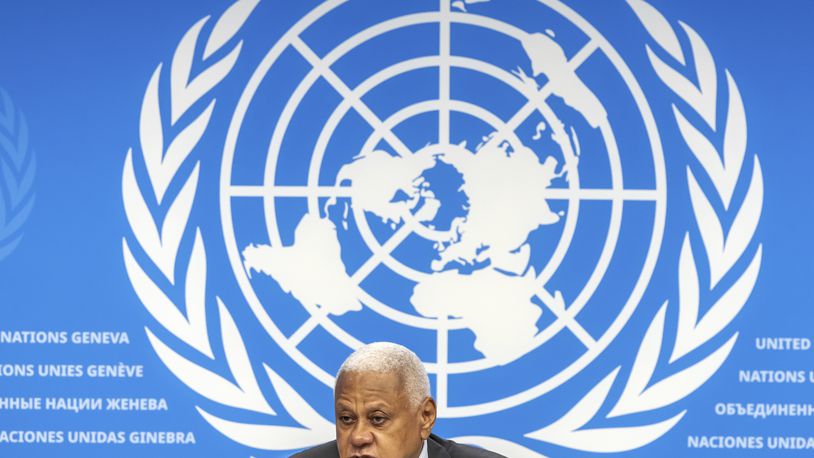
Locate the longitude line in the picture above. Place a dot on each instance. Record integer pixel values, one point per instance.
(377, 257)
(525, 111)
(562, 314)
(444, 51)
(340, 86)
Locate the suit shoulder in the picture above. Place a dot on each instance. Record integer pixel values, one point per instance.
(456, 450)
(327, 450)
(465, 451)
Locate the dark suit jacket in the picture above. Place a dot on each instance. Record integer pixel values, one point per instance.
(436, 448)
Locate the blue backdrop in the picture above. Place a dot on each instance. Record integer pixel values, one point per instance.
(180, 277)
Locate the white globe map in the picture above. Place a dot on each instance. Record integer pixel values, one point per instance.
(504, 185)
(462, 195)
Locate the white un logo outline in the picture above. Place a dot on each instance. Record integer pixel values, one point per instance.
(701, 343)
(383, 130)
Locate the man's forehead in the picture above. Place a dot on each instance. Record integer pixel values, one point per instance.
(366, 378)
(386, 383)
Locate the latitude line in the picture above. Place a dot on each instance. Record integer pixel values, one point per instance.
(386, 248)
(600, 194)
(444, 51)
(557, 307)
(304, 330)
(347, 94)
(347, 191)
(289, 191)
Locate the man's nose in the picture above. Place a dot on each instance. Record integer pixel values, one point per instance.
(361, 436)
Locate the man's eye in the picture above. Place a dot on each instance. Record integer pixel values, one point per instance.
(346, 419)
(378, 420)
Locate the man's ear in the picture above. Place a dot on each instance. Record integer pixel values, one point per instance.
(426, 415)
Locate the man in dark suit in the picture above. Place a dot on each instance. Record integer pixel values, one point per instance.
(384, 410)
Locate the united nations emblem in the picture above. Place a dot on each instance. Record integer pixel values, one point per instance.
(483, 182)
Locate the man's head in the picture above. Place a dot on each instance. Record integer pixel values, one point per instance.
(382, 403)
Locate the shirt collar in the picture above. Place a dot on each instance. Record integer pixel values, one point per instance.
(424, 453)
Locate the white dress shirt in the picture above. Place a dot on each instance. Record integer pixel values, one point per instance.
(424, 453)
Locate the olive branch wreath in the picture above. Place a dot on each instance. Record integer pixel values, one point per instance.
(17, 170)
(161, 242)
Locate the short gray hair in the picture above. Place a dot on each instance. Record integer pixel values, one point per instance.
(391, 358)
